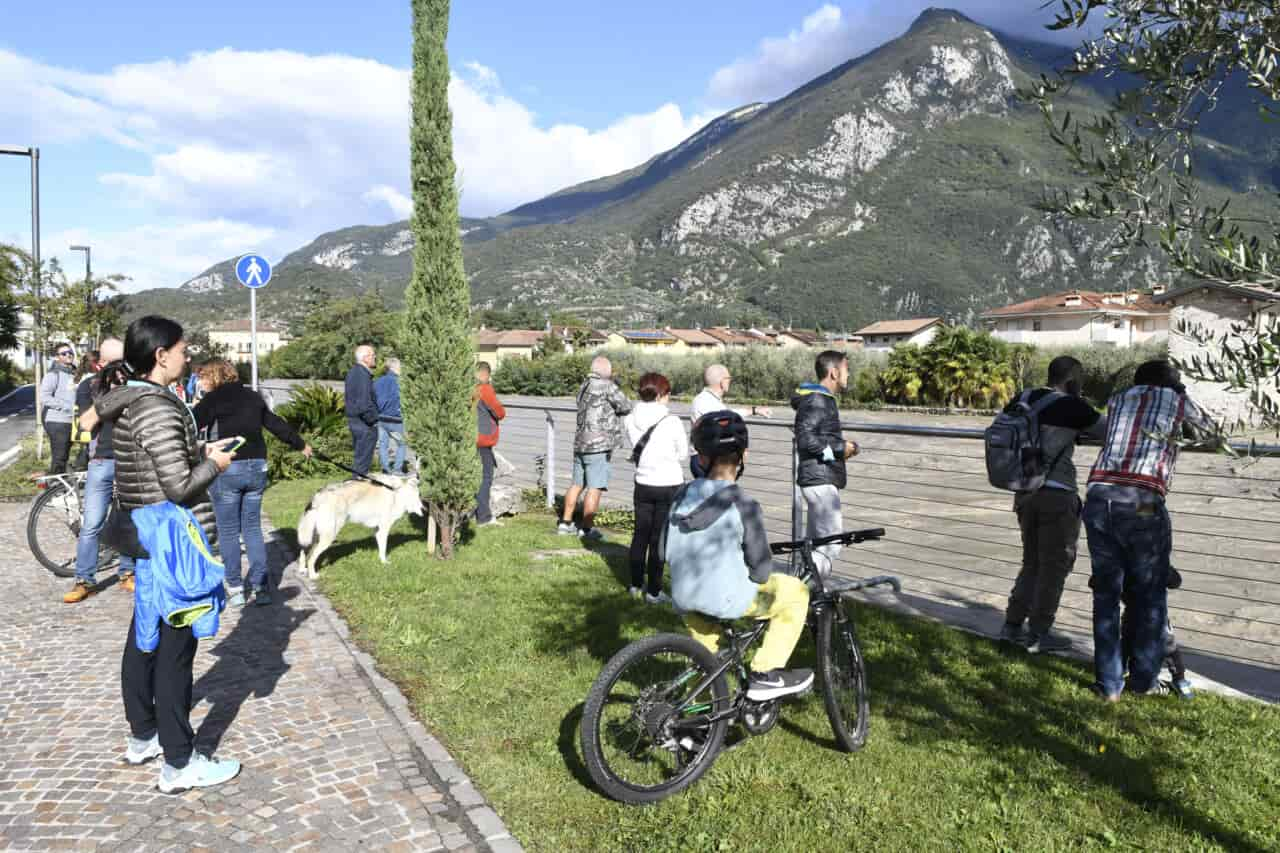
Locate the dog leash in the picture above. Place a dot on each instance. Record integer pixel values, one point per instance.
(318, 455)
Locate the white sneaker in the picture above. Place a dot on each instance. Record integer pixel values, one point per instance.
(635, 592)
(200, 772)
(565, 528)
(660, 598)
(142, 751)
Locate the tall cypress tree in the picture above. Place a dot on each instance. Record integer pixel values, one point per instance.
(435, 345)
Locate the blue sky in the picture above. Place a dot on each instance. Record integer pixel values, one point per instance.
(174, 135)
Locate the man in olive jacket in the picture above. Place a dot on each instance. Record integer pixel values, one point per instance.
(822, 450)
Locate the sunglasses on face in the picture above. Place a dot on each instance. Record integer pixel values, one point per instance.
(65, 353)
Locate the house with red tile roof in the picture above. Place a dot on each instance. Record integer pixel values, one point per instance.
(1081, 318)
(887, 334)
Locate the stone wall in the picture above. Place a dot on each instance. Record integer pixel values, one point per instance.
(1217, 312)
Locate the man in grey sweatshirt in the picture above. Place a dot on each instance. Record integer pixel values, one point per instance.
(58, 392)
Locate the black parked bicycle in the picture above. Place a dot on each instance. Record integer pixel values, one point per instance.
(656, 717)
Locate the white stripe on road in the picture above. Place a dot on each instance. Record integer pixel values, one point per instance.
(9, 455)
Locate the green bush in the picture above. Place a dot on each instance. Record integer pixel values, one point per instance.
(958, 368)
(1107, 370)
(554, 376)
(760, 374)
(316, 413)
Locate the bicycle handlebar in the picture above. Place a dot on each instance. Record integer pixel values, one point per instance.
(847, 537)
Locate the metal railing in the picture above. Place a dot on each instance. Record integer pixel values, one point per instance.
(955, 543)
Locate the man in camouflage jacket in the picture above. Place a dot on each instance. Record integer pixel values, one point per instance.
(601, 405)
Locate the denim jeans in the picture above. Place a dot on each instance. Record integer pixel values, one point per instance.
(388, 433)
(1129, 545)
(98, 484)
(237, 505)
(484, 513)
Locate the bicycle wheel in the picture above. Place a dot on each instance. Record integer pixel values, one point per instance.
(843, 676)
(633, 740)
(53, 529)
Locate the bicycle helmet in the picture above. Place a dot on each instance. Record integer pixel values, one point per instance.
(720, 433)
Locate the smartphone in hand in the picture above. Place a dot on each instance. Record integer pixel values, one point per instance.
(231, 445)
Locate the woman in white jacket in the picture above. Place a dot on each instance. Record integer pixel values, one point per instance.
(664, 448)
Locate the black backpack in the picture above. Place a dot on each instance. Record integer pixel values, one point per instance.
(1015, 459)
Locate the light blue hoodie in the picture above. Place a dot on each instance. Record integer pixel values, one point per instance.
(717, 548)
(180, 582)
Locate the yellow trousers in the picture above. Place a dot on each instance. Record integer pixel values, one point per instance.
(784, 601)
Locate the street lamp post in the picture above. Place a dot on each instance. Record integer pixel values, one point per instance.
(34, 155)
(88, 282)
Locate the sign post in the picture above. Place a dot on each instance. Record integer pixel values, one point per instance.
(253, 271)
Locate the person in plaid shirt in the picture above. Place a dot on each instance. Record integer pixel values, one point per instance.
(1130, 537)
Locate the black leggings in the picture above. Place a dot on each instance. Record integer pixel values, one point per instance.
(652, 504)
(156, 688)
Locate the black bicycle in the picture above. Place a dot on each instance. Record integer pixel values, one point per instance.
(656, 717)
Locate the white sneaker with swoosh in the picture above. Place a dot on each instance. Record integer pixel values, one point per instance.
(777, 683)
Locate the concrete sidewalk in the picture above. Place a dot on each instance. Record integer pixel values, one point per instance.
(332, 758)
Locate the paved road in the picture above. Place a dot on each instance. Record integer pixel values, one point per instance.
(332, 758)
(17, 418)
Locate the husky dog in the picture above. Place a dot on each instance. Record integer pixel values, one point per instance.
(360, 501)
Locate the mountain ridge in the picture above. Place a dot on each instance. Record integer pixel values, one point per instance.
(901, 181)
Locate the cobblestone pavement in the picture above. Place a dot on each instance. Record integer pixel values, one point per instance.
(332, 758)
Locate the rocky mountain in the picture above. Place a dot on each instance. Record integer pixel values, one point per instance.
(900, 183)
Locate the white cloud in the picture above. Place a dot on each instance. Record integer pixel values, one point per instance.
(832, 35)
(167, 255)
(399, 203)
(286, 144)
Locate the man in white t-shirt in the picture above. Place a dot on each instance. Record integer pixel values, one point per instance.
(711, 399)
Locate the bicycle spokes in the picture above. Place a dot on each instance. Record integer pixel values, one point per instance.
(650, 736)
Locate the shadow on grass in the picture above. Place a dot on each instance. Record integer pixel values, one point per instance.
(568, 744)
(947, 688)
(982, 699)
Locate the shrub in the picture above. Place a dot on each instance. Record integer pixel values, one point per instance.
(960, 367)
(553, 376)
(1107, 370)
(316, 413)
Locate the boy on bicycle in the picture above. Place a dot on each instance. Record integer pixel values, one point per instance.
(721, 566)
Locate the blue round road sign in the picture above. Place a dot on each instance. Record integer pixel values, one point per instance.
(253, 271)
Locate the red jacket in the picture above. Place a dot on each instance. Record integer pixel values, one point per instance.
(488, 412)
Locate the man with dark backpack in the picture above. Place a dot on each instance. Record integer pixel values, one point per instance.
(1028, 451)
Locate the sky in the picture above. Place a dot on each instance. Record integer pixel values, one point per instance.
(176, 135)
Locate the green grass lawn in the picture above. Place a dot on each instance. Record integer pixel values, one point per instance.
(969, 749)
(15, 478)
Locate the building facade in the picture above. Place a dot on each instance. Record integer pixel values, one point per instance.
(1081, 318)
(1205, 309)
(234, 339)
(887, 334)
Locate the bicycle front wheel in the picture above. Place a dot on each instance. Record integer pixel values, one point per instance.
(843, 676)
(53, 529)
(645, 736)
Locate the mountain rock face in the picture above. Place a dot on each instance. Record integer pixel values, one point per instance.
(901, 183)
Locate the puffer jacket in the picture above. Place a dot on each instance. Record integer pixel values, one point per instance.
(157, 456)
(601, 405)
(819, 442)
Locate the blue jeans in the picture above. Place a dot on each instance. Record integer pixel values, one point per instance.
(98, 484)
(1129, 545)
(237, 505)
(388, 433)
